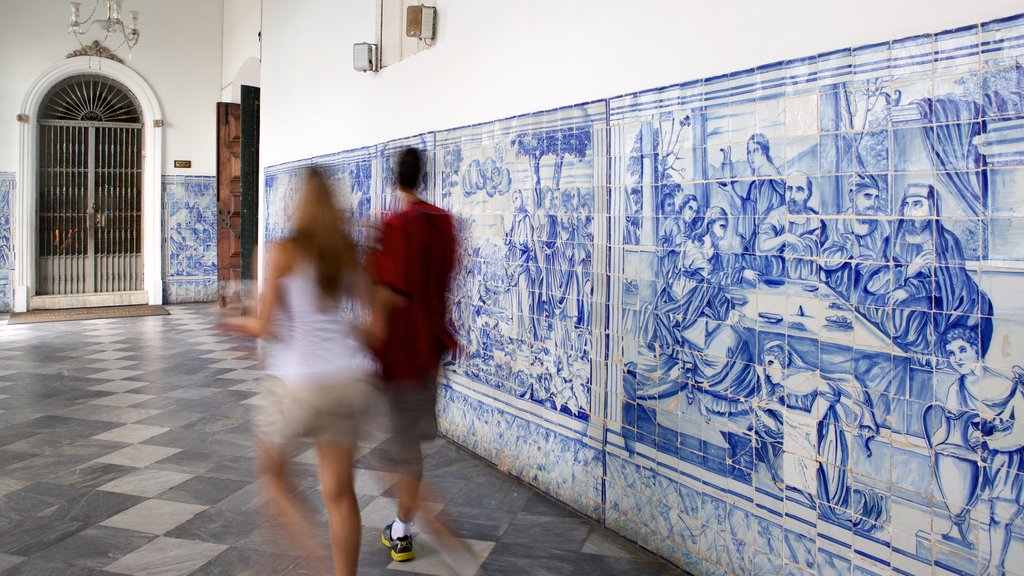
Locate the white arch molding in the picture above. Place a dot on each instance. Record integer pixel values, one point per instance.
(25, 193)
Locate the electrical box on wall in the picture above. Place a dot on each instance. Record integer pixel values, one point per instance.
(365, 57)
(420, 22)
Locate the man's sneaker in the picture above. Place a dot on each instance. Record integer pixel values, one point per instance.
(401, 548)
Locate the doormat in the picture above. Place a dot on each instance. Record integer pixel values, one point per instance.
(85, 314)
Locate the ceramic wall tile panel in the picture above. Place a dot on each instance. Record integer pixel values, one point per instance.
(766, 322)
(740, 278)
(7, 183)
(190, 236)
(524, 192)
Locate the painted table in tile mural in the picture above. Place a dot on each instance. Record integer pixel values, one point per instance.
(804, 308)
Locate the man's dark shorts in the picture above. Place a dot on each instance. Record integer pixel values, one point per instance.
(413, 407)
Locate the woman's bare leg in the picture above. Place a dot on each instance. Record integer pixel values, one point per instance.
(288, 510)
(337, 485)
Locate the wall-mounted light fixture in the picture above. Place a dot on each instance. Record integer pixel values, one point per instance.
(112, 25)
(420, 22)
(366, 57)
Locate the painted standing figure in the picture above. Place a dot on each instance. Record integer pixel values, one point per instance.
(856, 237)
(749, 203)
(922, 288)
(789, 236)
(993, 434)
(823, 410)
(523, 271)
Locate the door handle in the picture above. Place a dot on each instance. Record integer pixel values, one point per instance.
(224, 216)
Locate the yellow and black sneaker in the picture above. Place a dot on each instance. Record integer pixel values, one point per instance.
(401, 548)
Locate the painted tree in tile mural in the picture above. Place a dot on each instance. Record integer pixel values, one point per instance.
(571, 142)
(548, 258)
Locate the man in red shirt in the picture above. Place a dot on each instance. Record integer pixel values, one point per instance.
(411, 271)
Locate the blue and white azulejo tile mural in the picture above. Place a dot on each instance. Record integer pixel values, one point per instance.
(7, 183)
(767, 322)
(190, 236)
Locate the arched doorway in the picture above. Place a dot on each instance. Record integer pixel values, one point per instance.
(89, 202)
(25, 224)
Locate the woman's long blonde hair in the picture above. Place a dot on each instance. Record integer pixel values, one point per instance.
(321, 236)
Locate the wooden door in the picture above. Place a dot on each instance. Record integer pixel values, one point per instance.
(229, 204)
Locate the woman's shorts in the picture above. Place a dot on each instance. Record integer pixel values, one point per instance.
(332, 412)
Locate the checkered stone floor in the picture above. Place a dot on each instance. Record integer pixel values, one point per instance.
(125, 449)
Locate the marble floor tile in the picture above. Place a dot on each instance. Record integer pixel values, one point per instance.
(374, 483)
(138, 455)
(520, 559)
(35, 534)
(93, 507)
(250, 561)
(131, 433)
(203, 490)
(476, 523)
(219, 526)
(587, 564)
(154, 516)
(430, 560)
(557, 533)
(166, 557)
(43, 567)
(122, 400)
(96, 547)
(112, 364)
(147, 482)
(109, 414)
(115, 374)
(118, 386)
(8, 560)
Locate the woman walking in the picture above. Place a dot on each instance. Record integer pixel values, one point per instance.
(318, 381)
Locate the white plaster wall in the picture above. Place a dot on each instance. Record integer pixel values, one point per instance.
(179, 55)
(497, 59)
(242, 22)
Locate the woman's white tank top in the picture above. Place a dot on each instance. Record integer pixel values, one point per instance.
(315, 339)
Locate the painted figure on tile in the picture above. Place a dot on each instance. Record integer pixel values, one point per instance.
(789, 236)
(552, 259)
(576, 240)
(767, 428)
(634, 216)
(524, 275)
(706, 253)
(679, 217)
(751, 201)
(6, 238)
(924, 271)
(691, 345)
(856, 237)
(823, 410)
(979, 415)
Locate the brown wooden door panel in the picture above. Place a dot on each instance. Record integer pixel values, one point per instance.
(229, 205)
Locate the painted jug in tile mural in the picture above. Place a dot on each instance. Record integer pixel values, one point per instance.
(785, 304)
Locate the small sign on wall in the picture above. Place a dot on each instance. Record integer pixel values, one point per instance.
(182, 163)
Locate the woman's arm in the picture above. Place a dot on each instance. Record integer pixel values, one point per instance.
(278, 265)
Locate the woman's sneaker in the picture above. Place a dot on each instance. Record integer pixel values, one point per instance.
(401, 548)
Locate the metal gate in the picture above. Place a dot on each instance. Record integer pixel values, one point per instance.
(89, 196)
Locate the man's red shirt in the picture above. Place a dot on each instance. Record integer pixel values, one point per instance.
(415, 259)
